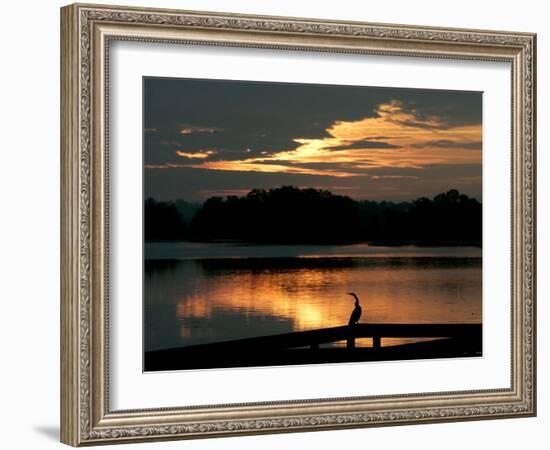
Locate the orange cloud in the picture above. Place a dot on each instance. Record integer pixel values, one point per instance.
(394, 137)
(190, 129)
(264, 165)
(199, 155)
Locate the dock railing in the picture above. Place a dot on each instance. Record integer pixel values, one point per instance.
(303, 347)
(349, 333)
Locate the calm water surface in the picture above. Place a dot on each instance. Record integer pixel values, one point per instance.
(197, 293)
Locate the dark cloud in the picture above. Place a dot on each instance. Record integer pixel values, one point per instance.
(444, 143)
(268, 116)
(364, 144)
(452, 108)
(326, 166)
(422, 124)
(234, 120)
(230, 144)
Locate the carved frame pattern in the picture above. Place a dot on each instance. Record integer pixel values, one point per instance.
(86, 418)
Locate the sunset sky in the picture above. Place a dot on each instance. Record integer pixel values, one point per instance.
(218, 137)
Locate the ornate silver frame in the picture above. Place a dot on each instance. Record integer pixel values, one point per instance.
(86, 31)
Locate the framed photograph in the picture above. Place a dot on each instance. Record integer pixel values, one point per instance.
(267, 222)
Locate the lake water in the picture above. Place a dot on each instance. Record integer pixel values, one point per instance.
(198, 293)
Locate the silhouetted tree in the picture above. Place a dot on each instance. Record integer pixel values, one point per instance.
(162, 222)
(450, 216)
(283, 215)
(304, 216)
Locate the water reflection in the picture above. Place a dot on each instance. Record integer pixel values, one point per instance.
(195, 301)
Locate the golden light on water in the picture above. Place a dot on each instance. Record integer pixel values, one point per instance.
(313, 298)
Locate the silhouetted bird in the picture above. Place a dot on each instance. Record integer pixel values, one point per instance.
(356, 313)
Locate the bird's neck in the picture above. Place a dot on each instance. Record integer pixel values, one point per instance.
(356, 302)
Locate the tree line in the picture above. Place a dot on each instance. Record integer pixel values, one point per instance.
(292, 215)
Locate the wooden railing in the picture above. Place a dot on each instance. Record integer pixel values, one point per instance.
(314, 338)
(303, 347)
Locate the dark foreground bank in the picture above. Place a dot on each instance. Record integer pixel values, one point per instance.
(453, 340)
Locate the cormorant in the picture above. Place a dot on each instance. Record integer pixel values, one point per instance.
(356, 313)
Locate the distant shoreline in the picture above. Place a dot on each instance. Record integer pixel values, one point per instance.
(289, 215)
(391, 243)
